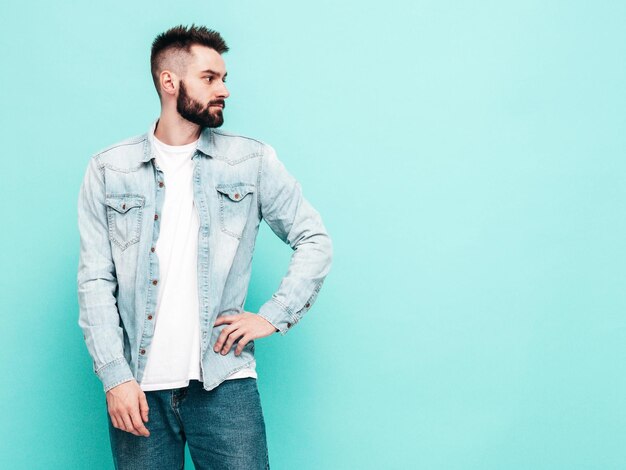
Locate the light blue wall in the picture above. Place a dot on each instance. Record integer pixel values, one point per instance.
(468, 159)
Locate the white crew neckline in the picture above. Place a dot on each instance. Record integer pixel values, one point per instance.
(176, 148)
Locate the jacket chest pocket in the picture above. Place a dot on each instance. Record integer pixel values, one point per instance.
(235, 201)
(124, 216)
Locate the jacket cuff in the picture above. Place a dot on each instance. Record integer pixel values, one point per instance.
(278, 315)
(114, 373)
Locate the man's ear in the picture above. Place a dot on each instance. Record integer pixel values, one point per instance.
(168, 81)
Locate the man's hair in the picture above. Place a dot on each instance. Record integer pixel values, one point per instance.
(172, 49)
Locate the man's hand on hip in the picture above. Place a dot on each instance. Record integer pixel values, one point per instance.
(245, 327)
(127, 407)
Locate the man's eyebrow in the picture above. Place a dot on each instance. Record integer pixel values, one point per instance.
(213, 72)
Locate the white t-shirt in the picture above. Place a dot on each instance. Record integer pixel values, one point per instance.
(174, 356)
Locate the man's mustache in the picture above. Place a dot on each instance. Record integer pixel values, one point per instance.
(221, 102)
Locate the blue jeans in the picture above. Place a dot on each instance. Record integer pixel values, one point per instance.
(224, 429)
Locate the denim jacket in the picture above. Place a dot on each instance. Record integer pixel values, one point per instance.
(237, 181)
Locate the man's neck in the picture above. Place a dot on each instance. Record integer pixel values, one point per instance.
(174, 130)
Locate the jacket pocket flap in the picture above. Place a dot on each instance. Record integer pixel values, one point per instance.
(123, 203)
(235, 192)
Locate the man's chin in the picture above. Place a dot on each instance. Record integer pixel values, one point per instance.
(217, 119)
(210, 121)
(217, 122)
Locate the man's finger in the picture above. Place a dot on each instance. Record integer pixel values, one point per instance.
(242, 344)
(138, 424)
(119, 421)
(221, 339)
(231, 339)
(223, 336)
(226, 319)
(114, 421)
(128, 425)
(143, 407)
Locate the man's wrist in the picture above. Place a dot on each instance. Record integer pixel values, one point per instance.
(277, 315)
(114, 373)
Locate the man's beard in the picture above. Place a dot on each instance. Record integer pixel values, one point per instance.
(194, 112)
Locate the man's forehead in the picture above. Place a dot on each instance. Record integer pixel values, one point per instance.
(205, 58)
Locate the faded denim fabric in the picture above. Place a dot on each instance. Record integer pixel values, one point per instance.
(224, 429)
(237, 182)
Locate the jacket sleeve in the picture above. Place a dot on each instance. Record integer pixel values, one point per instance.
(297, 223)
(97, 283)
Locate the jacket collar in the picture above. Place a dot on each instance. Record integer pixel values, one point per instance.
(206, 145)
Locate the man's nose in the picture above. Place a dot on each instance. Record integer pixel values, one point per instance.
(224, 91)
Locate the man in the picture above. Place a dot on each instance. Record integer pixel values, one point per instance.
(168, 222)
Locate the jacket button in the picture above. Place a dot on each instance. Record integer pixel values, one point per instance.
(154, 282)
(142, 352)
(123, 206)
(149, 317)
(161, 184)
(288, 325)
(307, 305)
(237, 196)
(152, 249)
(156, 216)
